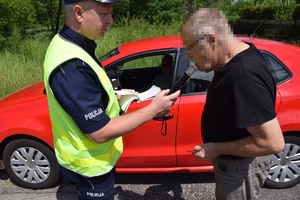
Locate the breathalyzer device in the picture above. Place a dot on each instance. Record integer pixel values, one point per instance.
(184, 78)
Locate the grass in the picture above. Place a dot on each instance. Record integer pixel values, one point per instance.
(21, 64)
(21, 59)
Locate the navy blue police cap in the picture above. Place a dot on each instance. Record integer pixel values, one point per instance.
(102, 1)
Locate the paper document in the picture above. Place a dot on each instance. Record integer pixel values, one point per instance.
(128, 97)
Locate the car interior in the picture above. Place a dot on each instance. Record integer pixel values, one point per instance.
(137, 73)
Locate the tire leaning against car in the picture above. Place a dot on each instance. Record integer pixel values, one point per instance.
(285, 167)
(31, 164)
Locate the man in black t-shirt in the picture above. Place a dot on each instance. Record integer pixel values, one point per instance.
(239, 127)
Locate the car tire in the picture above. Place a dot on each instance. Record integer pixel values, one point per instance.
(285, 168)
(31, 164)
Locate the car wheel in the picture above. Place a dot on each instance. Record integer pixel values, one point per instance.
(31, 164)
(285, 167)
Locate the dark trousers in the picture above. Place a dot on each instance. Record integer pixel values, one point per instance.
(91, 188)
(240, 179)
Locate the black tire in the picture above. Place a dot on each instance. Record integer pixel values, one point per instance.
(31, 164)
(285, 168)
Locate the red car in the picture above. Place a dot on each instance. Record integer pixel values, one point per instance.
(26, 146)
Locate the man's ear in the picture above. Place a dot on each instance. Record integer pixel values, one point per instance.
(78, 11)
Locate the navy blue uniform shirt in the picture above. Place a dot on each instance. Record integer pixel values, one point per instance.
(77, 87)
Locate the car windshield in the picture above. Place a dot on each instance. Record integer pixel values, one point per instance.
(109, 54)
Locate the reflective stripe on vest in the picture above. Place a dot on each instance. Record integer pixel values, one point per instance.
(73, 149)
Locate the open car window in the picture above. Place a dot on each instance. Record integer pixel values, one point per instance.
(139, 72)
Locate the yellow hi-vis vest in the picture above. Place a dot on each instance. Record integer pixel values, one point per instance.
(73, 149)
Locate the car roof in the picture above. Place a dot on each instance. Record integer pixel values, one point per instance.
(288, 54)
(146, 44)
(281, 50)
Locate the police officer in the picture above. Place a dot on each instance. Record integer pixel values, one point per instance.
(83, 107)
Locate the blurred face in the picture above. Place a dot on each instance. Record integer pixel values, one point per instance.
(199, 49)
(96, 19)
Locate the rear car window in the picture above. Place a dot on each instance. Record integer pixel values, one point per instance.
(277, 68)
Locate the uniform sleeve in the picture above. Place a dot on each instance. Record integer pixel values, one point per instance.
(253, 101)
(78, 91)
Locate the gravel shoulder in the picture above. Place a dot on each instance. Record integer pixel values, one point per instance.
(194, 186)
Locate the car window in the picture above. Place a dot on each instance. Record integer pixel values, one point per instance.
(140, 72)
(144, 62)
(199, 81)
(278, 70)
(109, 54)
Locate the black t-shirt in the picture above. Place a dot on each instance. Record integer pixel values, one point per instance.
(241, 94)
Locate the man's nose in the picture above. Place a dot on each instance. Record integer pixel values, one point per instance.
(110, 20)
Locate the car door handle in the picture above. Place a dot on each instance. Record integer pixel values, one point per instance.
(164, 117)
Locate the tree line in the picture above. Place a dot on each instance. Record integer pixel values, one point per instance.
(33, 15)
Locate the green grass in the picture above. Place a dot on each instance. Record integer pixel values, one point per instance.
(137, 29)
(21, 59)
(21, 64)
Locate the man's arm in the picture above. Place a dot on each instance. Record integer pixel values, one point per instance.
(122, 125)
(265, 139)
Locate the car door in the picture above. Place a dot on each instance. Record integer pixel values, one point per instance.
(189, 116)
(153, 144)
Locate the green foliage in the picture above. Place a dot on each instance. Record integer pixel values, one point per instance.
(275, 12)
(44, 14)
(135, 29)
(154, 11)
(163, 11)
(284, 12)
(18, 14)
(3, 17)
(257, 12)
(41, 13)
(296, 13)
(27, 14)
(232, 10)
(14, 41)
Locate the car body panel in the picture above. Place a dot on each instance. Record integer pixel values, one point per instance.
(189, 130)
(146, 150)
(145, 147)
(23, 119)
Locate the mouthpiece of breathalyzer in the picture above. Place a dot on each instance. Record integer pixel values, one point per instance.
(184, 78)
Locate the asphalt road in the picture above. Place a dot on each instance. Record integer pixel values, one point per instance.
(195, 186)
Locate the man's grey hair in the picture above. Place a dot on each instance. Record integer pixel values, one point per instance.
(69, 7)
(207, 21)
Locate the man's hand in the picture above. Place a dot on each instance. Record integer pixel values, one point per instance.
(207, 151)
(162, 103)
